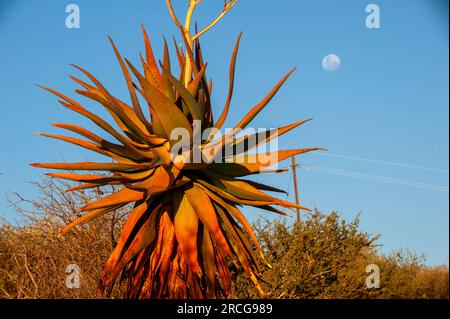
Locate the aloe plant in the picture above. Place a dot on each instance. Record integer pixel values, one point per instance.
(186, 227)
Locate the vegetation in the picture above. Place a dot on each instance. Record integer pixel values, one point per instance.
(322, 257)
(185, 228)
(326, 257)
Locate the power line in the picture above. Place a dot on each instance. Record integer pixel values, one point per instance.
(377, 178)
(382, 162)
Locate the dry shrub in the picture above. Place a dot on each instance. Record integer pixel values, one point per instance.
(322, 257)
(33, 261)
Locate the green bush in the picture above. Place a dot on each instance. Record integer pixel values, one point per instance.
(326, 257)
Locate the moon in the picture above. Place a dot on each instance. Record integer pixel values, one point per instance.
(331, 62)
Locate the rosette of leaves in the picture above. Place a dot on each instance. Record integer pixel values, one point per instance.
(186, 228)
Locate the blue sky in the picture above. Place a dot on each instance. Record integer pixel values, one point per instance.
(388, 102)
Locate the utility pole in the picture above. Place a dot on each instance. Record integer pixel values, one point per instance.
(294, 173)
